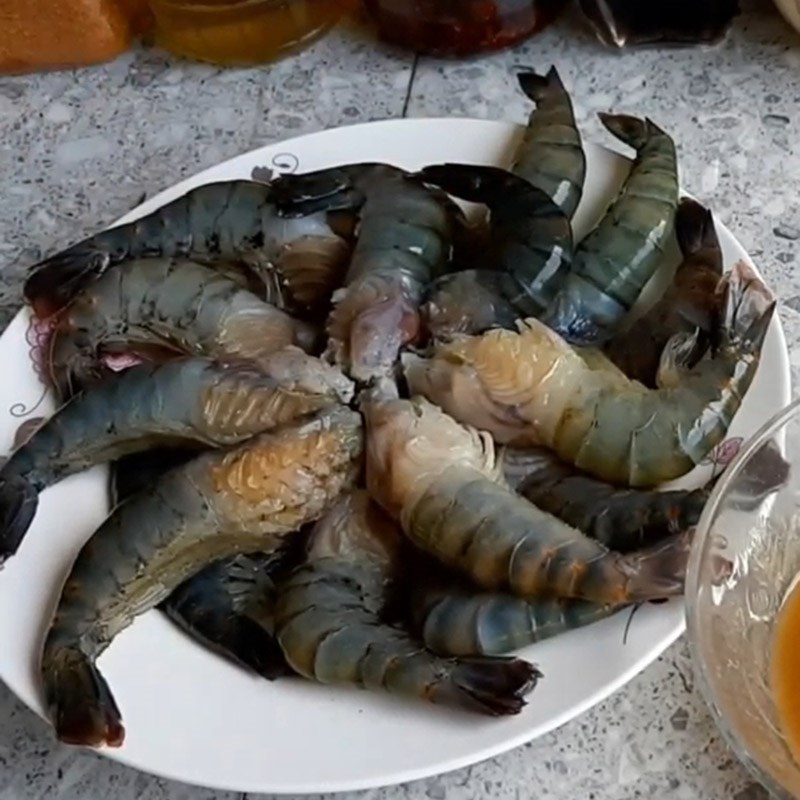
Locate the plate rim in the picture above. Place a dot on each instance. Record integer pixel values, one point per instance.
(530, 734)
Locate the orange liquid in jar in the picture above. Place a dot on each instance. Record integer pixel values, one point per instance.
(243, 31)
(785, 670)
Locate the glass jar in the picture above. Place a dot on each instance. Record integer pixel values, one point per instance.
(243, 31)
(461, 27)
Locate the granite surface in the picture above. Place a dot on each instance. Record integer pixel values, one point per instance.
(77, 149)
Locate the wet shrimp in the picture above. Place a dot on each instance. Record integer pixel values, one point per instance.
(329, 624)
(472, 301)
(189, 402)
(621, 519)
(615, 261)
(531, 387)
(228, 607)
(293, 262)
(405, 238)
(442, 481)
(453, 619)
(691, 303)
(551, 155)
(530, 237)
(157, 309)
(243, 500)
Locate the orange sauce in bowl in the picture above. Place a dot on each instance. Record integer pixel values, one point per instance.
(785, 670)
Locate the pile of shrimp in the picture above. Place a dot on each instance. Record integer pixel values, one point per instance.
(369, 442)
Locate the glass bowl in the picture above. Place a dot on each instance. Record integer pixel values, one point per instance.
(744, 560)
(242, 32)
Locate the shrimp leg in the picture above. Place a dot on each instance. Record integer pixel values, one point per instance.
(328, 623)
(223, 503)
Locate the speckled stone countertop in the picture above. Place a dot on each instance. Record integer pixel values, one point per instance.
(77, 149)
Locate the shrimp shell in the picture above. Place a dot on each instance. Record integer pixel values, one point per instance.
(615, 261)
(233, 225)
(531, 387)
(442, 482)
(188, 402)
(328, 622)
(160, 308)
(551, 154)
(243, 500)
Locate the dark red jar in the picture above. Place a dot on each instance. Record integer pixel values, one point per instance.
(461, 27)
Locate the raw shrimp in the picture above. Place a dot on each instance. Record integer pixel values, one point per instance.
(243, 500)
(622, 519)
(228, 608)
(453, 619)
(189, 402)
(530, 237)
(220, 223)
(328, 620)
(405, 239)
(472, 301)
(551, 155)
(441, 480)
(691, 302)
(156, 308)
(531, 387)
(615, 261)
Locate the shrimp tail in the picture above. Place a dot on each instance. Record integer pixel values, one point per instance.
(749, 307)
(19, 499)
(633, 131)
(536, 86)
(80, 703)
(694, 228)
(659, 571)
(54, 281)
(494, 686)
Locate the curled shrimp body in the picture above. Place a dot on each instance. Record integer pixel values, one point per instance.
(329, 626)
(551, 155)
(455, 620)
(188, 402)
(615, 261)
(156, 308)
(221, 223)
(441, 480)
(405, 239)
(691, 303)
(243, 500)
(531, 387)
(621, 519)
(530, 237)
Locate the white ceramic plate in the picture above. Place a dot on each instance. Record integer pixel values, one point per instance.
(191, 716)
